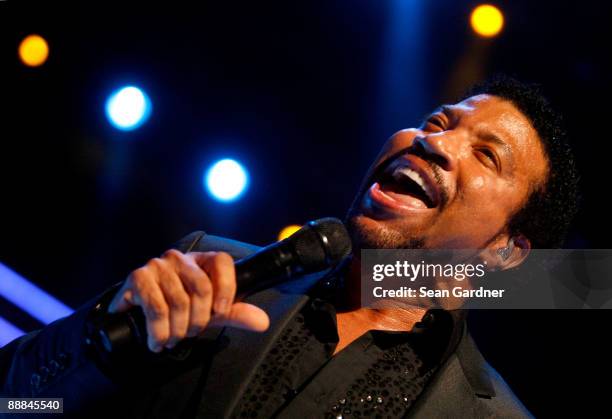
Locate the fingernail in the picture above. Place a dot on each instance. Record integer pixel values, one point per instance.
(221, 305)
(171, 344)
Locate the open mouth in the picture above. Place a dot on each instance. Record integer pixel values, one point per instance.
(407, 187)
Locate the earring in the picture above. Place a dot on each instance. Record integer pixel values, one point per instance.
(504, 252)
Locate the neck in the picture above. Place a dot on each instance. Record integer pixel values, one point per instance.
(391, 319)
(354, 320)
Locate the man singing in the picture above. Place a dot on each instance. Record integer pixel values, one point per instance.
(492, 172)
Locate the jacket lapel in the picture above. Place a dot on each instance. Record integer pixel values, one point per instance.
(459, 386)
(239, 353)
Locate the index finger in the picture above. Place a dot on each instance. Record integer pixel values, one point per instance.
(220, 269)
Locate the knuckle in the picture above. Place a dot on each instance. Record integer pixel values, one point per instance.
(179, 301)
(172, 254)
(157, 309)
(194, 285)
(156, 263)
(203, 287)
(139, 279)
(223, 259)
(152, 263)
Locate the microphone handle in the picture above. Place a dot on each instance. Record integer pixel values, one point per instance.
(268, 267)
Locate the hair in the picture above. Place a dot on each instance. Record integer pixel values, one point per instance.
(552, 204)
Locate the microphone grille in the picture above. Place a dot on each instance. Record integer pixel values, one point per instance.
(321, 244)
(333, 231)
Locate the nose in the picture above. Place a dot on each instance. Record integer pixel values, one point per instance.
(438, 148)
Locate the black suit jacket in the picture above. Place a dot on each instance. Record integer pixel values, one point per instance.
(209, 380)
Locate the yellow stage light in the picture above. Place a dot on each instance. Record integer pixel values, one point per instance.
(288, 231)
(487, 20)
(33, 50)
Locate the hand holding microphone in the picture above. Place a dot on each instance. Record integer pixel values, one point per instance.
(180, 295)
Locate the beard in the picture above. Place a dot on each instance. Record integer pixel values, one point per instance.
(366, 235)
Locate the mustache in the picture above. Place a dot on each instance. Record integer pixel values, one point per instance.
(442, 188)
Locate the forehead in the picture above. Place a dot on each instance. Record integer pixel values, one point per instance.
(503, 119)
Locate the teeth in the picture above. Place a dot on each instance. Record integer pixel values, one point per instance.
(399, 172)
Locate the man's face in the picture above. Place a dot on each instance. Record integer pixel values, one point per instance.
(452, 183)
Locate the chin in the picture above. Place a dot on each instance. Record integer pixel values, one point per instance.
(369, 233)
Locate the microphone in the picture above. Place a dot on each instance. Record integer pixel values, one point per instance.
(318, 245)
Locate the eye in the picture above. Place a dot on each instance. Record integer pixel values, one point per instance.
(488, 157)
(436, 123)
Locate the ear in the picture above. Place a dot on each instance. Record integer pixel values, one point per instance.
(506, 252)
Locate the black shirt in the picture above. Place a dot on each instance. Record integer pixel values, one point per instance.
(380, 374)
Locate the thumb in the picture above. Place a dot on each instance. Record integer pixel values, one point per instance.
(244, 316)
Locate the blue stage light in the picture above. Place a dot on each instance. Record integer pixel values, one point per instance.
(28, 297)
(128, 108)
(226, 180)
(8, 332)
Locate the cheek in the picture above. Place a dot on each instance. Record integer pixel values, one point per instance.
(488, 202)
(487, 197)
(477, 183)
(479, 212)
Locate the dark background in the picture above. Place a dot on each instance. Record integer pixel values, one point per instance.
(302, 93)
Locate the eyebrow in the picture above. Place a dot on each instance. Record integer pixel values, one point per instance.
(445, 109)
(492, 138)
(489, 137)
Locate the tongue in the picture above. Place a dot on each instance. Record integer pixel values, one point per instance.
(402, 196)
